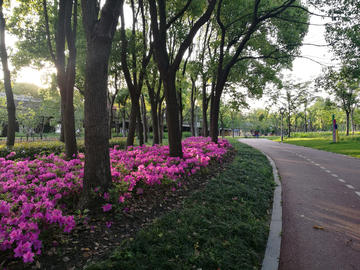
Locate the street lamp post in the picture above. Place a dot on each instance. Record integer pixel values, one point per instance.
(282, 110)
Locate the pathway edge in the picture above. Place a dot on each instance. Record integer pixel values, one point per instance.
(272, 253)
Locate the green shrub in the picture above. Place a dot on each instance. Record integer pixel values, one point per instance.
(30, 149)
(186, 134)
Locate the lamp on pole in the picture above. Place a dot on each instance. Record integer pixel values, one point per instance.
(282, 110)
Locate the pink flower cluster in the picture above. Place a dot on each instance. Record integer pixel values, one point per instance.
(152, 165)
(31, 192)
(29, 196)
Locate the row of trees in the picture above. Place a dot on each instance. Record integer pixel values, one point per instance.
(220, 44)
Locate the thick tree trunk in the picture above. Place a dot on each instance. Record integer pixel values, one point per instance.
(97, 160)
(99, 35)
(172, 119)
(10, 103)
(214, 112)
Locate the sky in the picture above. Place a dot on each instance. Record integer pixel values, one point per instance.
(314, 58)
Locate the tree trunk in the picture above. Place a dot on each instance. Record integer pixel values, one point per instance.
(10, 103)
(205, 103)
(123, 115)
(214, 118)
(132, 126)
(180, 107)
(192, 108)
(144, 120)
(154, 115)
(99, 35)
(347, 122)
(172, 119)
(112, 101)
(161, 120)
(352, 122)
(139, 125)
(168, 70)
(69, 117)
(289, 125)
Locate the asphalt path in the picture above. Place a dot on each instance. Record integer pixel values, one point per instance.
(321, 207)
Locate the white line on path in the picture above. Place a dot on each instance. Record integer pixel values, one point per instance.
(322, 168)
(342, 180)
(357, 192)
(317, 164)
(335, 175)
(327, 171)
(350, 186)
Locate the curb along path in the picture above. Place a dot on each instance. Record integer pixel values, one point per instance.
(321, 207)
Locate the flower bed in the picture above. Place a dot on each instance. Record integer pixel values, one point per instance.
(33, 193)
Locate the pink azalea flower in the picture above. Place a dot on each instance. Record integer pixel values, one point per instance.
(108, 224)
(107, 207)
(28, 256)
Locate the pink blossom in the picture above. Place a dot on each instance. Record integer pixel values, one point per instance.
(107, 207)
(28, 256)
(108, 224)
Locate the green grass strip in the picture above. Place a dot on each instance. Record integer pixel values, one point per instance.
(222, 227)
(347, 145)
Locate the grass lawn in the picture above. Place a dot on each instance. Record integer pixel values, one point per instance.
(347, 145)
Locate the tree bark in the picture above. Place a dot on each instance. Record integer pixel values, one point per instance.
(99, 34)
(134, 82)
(161, 120)
(10, 103)
(69, 117)
(205, 103)
(154, 101)
(112, 101)
(347, 122)
(192, 107)
(144, 120)
(65, 75)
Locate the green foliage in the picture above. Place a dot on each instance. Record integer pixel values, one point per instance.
(26, 89)
(30, 149)
(186, 134)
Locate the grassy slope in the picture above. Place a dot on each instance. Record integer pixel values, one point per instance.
(222, 227)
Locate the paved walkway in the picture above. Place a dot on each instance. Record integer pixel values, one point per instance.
(321, 207)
